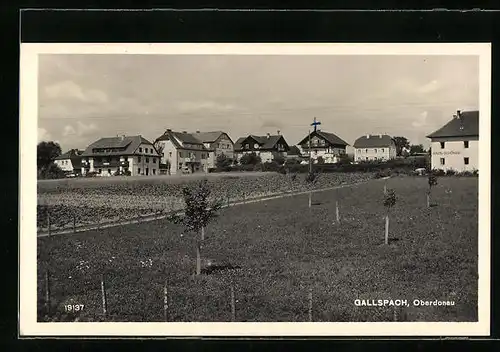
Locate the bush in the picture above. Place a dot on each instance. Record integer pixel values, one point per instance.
(438, 172)
(223, 162)
(450, 172)
(279, 160)
(52, 171)
(91, 174)
(250, 159)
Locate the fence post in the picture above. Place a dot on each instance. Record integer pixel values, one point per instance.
(104, 300)
(387, 229)
(233, 306)
(48, 222)
(337, 211)
(165, 302)
(47, 292)
(310, 299)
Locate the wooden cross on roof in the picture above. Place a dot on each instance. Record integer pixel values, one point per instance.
(315, 124)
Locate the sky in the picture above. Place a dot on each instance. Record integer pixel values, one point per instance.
(83, 97)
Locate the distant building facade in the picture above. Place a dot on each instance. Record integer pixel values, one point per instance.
(455, 146)
(378, 147)
(70, 162)
(268, 147)
(217, 142)
(182, 152)
(124, 154)
(322, 144)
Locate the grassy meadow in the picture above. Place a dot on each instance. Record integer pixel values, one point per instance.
(282, 249)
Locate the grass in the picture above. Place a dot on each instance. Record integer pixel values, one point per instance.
(283, 249)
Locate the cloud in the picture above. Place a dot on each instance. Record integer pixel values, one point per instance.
(71, 90)
(421, 120)
(192, 106)
(430, 87)
(81, 129)
(43, 135)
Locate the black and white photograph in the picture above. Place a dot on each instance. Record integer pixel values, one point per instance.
(322, 188)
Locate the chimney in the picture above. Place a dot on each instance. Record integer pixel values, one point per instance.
(268, 135)
(278, 132)
(197, 131)
(380, 135)
(367, 136)
(169, 130)
(122, 137)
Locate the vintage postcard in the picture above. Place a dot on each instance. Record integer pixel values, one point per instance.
(255, 189)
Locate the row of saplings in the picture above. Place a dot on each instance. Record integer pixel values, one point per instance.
(199, 211)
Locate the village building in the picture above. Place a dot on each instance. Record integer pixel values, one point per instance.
(127, 155)
(70, 162)
(378, 147)
(182, 152)
(268, 147)
(217, 142)
(324, 145)
(455, 146)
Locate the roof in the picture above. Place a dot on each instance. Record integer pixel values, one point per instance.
(374, 141)
(70, 153)
(74, 155)
(294, 150)
(209, 137)
(329, 137)
(265, 142)
(127, 144)
(184, 137)
(466, 125)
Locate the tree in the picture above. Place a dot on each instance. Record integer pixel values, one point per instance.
(198, 213)
(311, 180)
(46, 153)
(250, 159)
(401, 142)
(416, 148)
(389, 202)
(432, 181)
(159, 147)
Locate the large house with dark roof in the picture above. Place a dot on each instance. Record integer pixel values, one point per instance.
(70, 162)
(456, 145)
(133, 155)
(218, 142)
(183, 152)
(378, 147)
(267, 147)
(322, 144)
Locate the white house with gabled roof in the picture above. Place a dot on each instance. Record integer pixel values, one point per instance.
(455, 146)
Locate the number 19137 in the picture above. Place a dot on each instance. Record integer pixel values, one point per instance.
(73, 307)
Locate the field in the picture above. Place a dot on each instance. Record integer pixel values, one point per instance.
(65, 204)
(282, 249)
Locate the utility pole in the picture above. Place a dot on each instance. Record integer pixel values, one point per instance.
(310, 154)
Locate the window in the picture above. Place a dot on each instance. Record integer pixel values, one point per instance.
(140, 150)
(466, 144)
(138, 159)
(154, 161)
(441, 161)
(109, 171)
(366, 157)
(100, 170)
(375, 150)
(366, 150)
(180, 166)
(151, 150)
(169, 153)
(147, 160)
(154, 171)
(442, 145)
(139, 171)
(466, 161)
